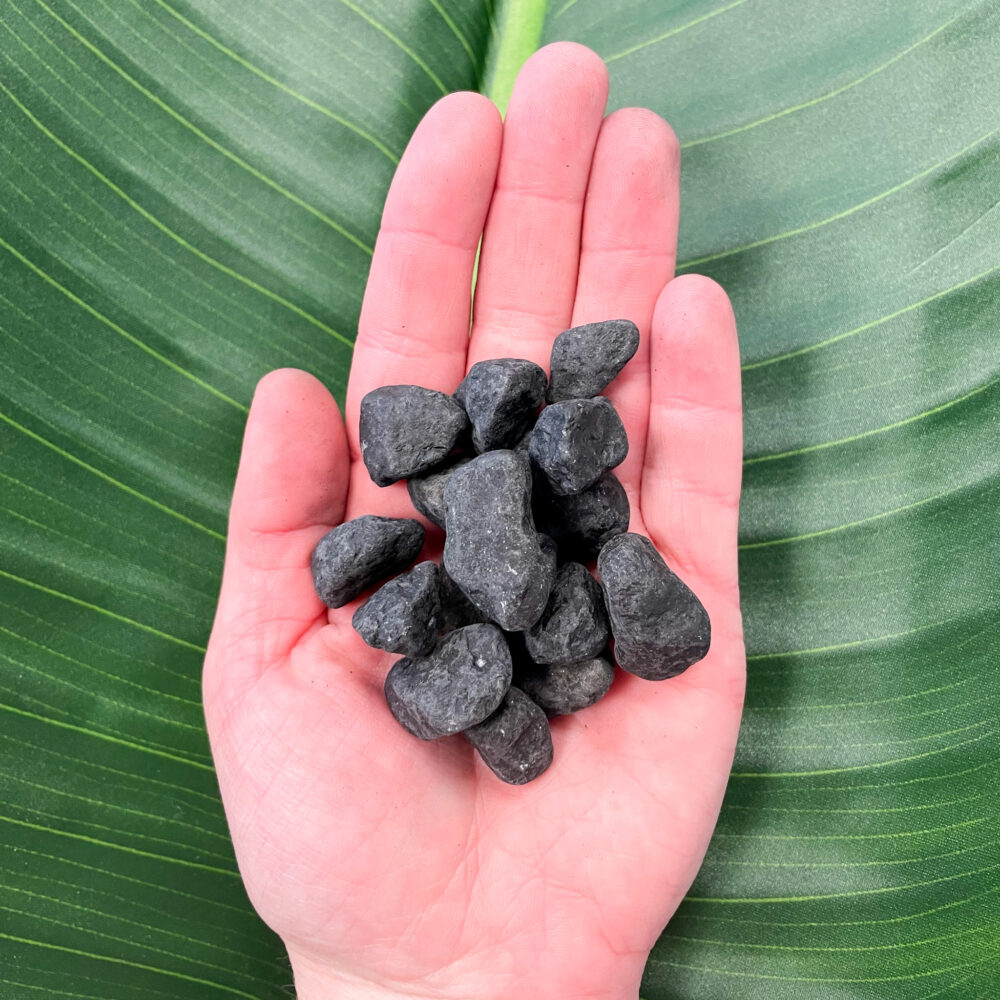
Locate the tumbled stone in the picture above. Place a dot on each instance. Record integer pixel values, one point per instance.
(492, 550)
(586, 358)
(405, 430)
(515, 742)
(354, 555)
(659, 626)
(575, 442)
(583, 522)
(564, 688)
(403, 615)
(574, 624)
(458, 685)
(456, 609)
(427, 491)
(501, 397)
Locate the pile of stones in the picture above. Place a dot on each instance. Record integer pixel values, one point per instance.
(512, 627)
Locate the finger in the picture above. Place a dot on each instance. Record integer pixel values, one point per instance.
(414, 325)
(628, 250)
(691, 478)
(528, 265)
(290, 490)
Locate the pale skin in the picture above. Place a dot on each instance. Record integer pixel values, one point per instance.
(396, 868)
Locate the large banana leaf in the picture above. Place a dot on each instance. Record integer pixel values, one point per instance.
(190, 192)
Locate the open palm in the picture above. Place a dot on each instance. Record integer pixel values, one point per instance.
(394, 867)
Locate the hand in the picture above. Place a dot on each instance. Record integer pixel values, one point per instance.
(397, 868)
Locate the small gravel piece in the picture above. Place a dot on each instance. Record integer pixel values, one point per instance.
(586, 358)
(457, 686)
(405, 430)
(457, 610)
(660, 627)
(403, 615)
(582, 523)
(564, 688)
(575, 442)
(515, 742)
(574, 624)
(427, 491)
(492, 550)
(501, 398)
(356, 554)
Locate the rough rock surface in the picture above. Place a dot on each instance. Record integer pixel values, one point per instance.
(564, 688)
(403, 615)
(427, 491)
(575, 442)
(583, 522)
(660, 627)
(492, 550)
(405, 430)
(515, 742)
(457, 686)
(456, 609)
(574, 624)
(586, 358)
(501, 398)
(354, 555)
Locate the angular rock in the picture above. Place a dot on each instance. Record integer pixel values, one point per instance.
(405, 430)
(564, 688)
(586, 358)
(501, 398)
(492, 550)
(456, 609)
(583, 522)
(403, 615)
(574, 624)
(659, 626)
(457, 686)
(354, 555)
(515, 742)
(427, 491)
(575, 442)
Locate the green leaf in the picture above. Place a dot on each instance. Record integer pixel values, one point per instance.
(190, 192)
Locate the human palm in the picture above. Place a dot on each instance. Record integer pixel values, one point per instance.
(393, 867)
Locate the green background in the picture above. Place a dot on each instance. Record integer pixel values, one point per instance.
(189, 194)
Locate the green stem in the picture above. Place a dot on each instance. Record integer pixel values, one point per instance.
(520, 24)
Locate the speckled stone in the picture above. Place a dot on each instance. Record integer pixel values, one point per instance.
(659, 626)
(574, 624)
(427, 491)
(586, 358)
(403, 615)
(356, 554)
(564, 688)
(515, 742)
(457, 686)
(583, 522)
(501, 397)
(405, 430)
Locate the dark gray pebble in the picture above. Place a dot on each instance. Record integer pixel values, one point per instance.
(564, 688)
(405, 430)
(583, 522)
(427, 491)
(492, 550)
(575, 442)
(586, 358)
(456, 609)
(515, 742)
(501, 398)
(403, 615)
(574, 624)
(659, 626)
(354, 555)
(457, 686)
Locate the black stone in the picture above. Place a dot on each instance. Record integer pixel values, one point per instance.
(515, 742)
(427, 491)
(586, 358)
(659, 626)
(457, 686)
(405, 430)
(575, 442)
(583, 522)
(501, 398)
(456, 609)
(403, 615)
(354, 555)
(564, 688)
(492, 550)
(574, 624)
